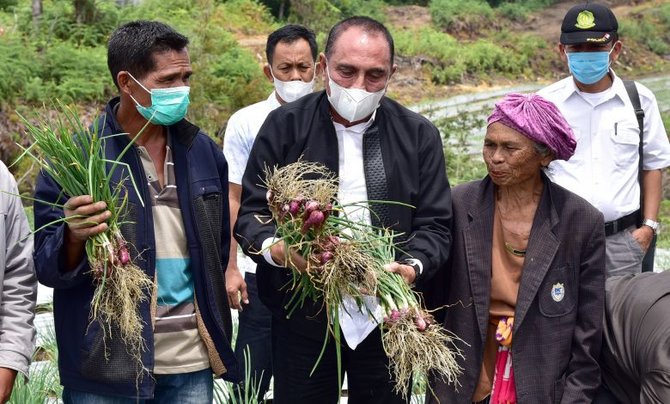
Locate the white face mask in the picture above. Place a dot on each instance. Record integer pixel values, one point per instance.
(290, 91)
(353, 104)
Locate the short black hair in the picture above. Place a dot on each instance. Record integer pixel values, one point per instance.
(289, 34)
(367, 24)
(132, 46)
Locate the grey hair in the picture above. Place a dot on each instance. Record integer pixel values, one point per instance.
(544, 151)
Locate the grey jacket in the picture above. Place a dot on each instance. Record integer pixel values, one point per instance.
(635, 358)
(556, 340)
(17, 277)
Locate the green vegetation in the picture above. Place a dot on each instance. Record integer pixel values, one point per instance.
(451, 61)
(464, 160)
(44, 381)
(62, 59)
(320, 15)
(63, 56)
(663, 240)
(650, 27)
(475, 15)
(458, 15)
(519, 10)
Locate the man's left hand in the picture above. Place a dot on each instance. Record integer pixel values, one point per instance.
(7, 377)
(643, 235)
(236, 287)
(406, 271)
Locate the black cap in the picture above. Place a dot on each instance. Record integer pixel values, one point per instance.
(588, 23)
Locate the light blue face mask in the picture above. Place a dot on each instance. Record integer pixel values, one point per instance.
(589, 67)
(168, 105)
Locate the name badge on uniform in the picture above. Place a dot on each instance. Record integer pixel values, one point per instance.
(558, 292)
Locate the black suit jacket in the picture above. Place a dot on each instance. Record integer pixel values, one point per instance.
(555, 343)
(413, 159)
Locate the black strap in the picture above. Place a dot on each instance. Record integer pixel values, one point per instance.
(631, 89)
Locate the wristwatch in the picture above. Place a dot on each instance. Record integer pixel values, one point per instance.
(651, 223)
(415, 265)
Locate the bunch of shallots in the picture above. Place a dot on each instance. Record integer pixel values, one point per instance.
(79, 165)
(347, 258)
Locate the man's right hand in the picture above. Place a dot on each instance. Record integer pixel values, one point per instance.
(85, 218)
(295, 261)
(236, 286)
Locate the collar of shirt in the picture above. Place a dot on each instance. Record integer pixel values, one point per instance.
(357, 129)
(615, 90)
(352, 186)
(273, 101)
(595, 99)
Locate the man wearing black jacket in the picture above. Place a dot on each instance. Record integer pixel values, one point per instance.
(380, 150)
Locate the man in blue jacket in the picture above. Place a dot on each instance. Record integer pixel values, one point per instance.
(180, 236)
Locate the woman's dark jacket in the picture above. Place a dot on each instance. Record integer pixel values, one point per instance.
(558, 317)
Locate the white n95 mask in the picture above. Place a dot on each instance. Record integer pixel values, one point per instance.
(353, 104)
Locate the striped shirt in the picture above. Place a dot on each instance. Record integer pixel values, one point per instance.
(177, 344)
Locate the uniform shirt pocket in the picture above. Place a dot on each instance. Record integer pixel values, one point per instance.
(625, 136)
(558, 293)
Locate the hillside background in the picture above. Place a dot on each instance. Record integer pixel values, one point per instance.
(56, 50)
(458, 55)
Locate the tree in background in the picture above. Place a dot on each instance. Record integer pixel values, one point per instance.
(37, 12)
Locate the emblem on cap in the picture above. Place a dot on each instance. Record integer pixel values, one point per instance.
(585, 20)
(558, 292)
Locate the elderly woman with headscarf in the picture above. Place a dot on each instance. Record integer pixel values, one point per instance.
(525, 288)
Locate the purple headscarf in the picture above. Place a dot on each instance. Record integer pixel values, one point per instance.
(537, 119)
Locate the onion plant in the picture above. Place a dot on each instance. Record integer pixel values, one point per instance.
(74, 156)
(246, 392)
(348, 258)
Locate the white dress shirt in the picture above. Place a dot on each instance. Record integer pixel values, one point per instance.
(241, 131)
(604, 168)
(356, 325)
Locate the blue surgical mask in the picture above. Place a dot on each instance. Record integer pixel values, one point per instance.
(589, 67)
(168, 105)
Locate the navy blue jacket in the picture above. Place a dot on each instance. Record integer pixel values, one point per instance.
(202, 181)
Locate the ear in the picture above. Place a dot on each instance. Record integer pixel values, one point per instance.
(124, 80)
(268, 73)
(547, 159)
(322, 65)
(324, 75)
(317, 69)
(393, 70)
(561, 52)
(616, 51)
